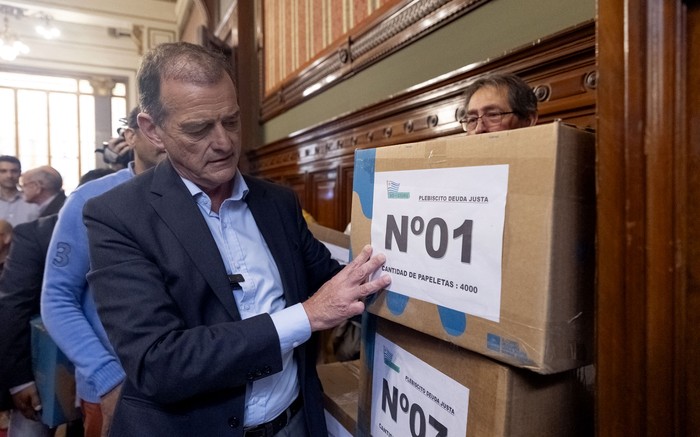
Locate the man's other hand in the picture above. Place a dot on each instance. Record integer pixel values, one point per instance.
(108, 403)
(27, 401)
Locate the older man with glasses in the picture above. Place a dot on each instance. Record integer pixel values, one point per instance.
(498, 102)
(43, 186)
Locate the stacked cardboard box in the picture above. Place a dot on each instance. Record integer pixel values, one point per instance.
(413, 384)
(490, 244)
(335, 241)
(340, 381)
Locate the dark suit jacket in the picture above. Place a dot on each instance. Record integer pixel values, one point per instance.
(55, 205)
(164, 298)
(20, 289)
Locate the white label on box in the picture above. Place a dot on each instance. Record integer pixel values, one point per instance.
(410, 398)
(335, 429)
(442, 233)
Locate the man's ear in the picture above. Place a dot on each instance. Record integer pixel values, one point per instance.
(150, 130)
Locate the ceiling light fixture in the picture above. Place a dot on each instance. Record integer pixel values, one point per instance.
(10, 45)
(46, 29)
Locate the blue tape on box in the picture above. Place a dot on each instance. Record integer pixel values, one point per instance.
(54, 376)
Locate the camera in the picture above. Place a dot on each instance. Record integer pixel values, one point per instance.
(111, 157)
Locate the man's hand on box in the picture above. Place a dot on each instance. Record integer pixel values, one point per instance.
(342, 297)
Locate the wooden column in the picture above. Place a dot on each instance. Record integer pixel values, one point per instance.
(648, 219)
(247, 66)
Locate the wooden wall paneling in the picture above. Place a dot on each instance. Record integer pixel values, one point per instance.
(299, 183)
(246, 40)
(323, 204)
(568, 95)
(689, 308)
(620, 304)
(645, 260)
(371, 42)
(560, 68)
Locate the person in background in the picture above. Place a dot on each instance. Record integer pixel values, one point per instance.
(13, 206)
(5, 401)
(209, 282)
(117, 152)
(20, 288)
(498, 102)
(67, 305)
(6, 232)
(43, 186)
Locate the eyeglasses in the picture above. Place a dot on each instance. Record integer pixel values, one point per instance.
(489, 119)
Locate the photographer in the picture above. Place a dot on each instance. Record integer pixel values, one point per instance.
(118, 151)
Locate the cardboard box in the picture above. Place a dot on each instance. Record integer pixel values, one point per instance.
(413, 384)
(333, 346)
(54, 377)
(337, 242)
(341, 382)
(489, 240)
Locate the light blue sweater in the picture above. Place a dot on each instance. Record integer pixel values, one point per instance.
(67, 305)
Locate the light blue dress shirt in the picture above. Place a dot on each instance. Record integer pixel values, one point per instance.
(244, 251)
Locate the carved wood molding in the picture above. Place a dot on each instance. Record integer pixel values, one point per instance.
(560, 68)
(383, 36)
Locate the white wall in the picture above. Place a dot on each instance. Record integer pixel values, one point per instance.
(85, 46)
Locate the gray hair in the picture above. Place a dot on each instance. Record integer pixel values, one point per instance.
(521, 98)
(177, 61)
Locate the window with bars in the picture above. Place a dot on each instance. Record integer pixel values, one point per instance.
(51, 120)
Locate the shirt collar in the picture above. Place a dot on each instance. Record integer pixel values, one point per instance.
(130, 166)
(43, 206)
(18, 195)
(239, 192)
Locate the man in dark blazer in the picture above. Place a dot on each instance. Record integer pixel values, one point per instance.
(20, 283)
(20, 287)
(208, 283)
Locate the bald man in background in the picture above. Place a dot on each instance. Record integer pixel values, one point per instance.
(43, 186)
